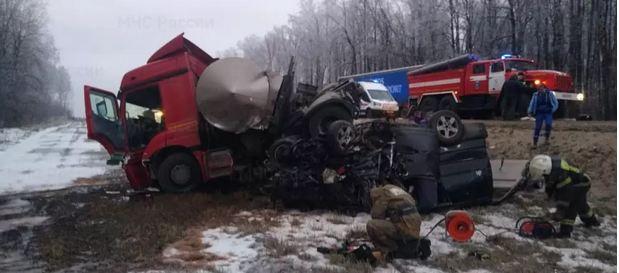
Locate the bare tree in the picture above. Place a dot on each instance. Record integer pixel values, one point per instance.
(33, 86)
(331, 38)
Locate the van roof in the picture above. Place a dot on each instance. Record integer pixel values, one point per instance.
(373, 85)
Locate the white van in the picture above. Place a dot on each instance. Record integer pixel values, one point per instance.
(377, 101)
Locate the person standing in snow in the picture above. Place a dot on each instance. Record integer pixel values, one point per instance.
(543, 104)
(395, 225)
(568, 186)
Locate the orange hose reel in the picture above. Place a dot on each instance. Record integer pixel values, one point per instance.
(459, 225)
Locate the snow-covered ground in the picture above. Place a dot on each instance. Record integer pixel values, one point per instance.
(290, 245)
(47, 159)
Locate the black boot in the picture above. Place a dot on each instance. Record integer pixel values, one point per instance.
(424, 249)
(591, 221)
(565, 231)
(413, 249)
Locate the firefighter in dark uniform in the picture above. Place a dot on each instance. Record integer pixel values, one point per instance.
(395, 225)
(568, 186)
(511, 95)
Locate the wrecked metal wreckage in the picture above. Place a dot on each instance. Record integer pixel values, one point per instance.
(185, 118)
(339, 169)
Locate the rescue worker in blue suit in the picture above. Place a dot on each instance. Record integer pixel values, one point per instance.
(543, 104)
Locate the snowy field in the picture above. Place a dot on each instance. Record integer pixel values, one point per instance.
(47, 159)
(289, 245)
(267, 240)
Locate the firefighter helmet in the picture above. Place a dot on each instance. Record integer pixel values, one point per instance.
(539, 166)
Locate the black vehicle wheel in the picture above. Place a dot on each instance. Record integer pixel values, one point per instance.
(340, 136)
(280, 152)
(178, 173)
(447, 103)
(319, 122)
(448, 126)
(428, 104)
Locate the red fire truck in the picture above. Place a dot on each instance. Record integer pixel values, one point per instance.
(467, 84)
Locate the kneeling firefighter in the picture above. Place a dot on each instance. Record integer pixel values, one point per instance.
(568, 186)
(395, 225)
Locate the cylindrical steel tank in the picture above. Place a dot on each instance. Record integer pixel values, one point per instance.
(234, 95)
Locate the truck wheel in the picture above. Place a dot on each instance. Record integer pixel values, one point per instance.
(320, 121)
(447, 103)
(280, 152)
(428, 104)
(448, 126)
(340, 136)
(179, 172)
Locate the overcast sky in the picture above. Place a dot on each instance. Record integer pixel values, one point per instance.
(98, 41)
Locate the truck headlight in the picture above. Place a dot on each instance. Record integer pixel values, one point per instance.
(580, 96)
(537, 82)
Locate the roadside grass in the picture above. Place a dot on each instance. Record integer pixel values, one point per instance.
(133, 233)
(604, 256)
(357, 233)
(505, 255)
(345, 264)
(277, 247)
(338, 219)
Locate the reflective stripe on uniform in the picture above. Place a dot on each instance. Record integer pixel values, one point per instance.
(564, 183)
(568, 167)
(562, 203)
(408, 210)
(569, 222)
(585, 184)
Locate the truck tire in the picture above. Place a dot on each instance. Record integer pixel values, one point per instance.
(280, 152)
(447, 103)
(179, 172)
(319, 122)
(448, 127)
(428, 104)
(340, 136)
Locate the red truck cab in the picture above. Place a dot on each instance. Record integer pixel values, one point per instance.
(185, 117)
(152, 116)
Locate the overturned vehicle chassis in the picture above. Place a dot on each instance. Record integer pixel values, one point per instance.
(339, 169)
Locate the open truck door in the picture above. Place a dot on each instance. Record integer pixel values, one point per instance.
(103, 123)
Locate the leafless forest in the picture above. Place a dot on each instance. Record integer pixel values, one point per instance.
(33, 86)
(332, 38)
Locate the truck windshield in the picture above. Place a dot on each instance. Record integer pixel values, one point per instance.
(380, 95)
(520, 65)
(144, 116)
